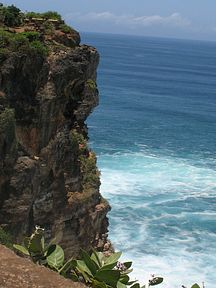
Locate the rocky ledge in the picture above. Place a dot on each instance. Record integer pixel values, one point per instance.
(48, 175)
(18, 272)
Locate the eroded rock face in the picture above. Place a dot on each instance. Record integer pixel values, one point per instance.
(18, 272)
(48, 176)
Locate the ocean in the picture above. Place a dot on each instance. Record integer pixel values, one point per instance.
(155, 136)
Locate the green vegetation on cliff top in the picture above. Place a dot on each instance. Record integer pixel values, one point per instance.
(46, 15)
(17, 42)
(11, 16)
(28, 32)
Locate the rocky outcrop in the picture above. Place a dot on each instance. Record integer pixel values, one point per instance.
(18, 272)
(48, 175)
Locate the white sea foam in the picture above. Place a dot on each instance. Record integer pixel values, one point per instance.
(163, 215)
(164, 197)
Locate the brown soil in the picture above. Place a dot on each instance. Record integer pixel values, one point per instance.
(17, 272)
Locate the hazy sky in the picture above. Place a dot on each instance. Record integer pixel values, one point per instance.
(194, 19)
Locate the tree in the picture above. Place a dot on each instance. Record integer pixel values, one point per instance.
(10, 16)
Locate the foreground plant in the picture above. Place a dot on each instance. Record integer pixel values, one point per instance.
(100, 271)
(51, 255)
(95, 270)
(195, 286)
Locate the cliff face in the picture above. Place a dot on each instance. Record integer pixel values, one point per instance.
(48, 175)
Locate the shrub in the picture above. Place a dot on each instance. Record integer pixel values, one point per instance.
(12, 41)
(78, 141)
(33, 15)
(18, 41)
(100, 271)
(46, 15)
(88, 167)
(38, 47)
(11, 15)
(65, 28)
(31, 35)
(26, 41)
(5, 38)
(95, 270)
(90, 173)
(48, 27)
(51, 15)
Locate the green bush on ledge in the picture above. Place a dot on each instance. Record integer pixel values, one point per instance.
(21, 42)
(95, 270)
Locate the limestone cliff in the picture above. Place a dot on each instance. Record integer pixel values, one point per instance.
(48, 175)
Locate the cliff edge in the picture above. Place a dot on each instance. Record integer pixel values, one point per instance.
(48, 175)
(18, 272)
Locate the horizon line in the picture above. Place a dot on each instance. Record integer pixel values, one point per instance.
(148, 36)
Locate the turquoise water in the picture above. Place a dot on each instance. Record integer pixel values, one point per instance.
(155, 136)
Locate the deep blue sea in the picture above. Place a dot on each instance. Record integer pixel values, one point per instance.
(155, 136)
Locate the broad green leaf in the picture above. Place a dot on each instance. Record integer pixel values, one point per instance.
(137, 285)
(26, 242)
(56, 258)
(51, 243)
(97, 284)
(127, 264)
(42, 243)
(109, 266)
(86, 277)
(156, 281)
(93, 267)
(121, 285)
(68, 265)
(127, 271)
(132, 282)
(21, 249)
(195, 286)
(124, 279)
(74, 277)
(35, 245)
(50, 250)
(110, 277)
(81, 266)
(113, 258)
(97, 257)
